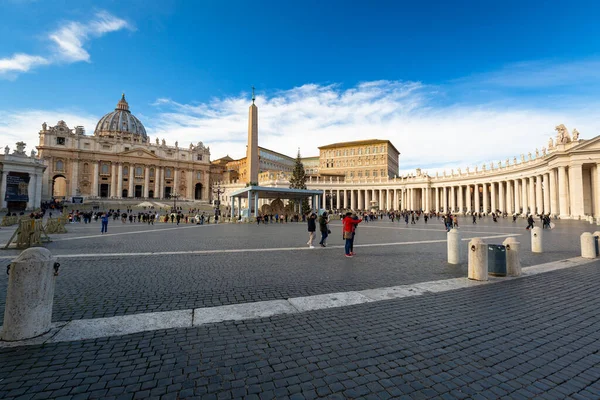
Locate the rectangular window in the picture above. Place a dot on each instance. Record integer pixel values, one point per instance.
(106, 147)
(367, 174)
(86, 145)
(126, 148)
(198, 157)
(60, 141)
(374, 174)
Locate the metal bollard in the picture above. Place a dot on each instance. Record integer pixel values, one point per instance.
(588, 245)
(30, 295)
(453, 246)
(536, 240)
(513, 263)
(478, 260)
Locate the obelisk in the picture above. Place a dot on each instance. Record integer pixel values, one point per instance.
(252, 149)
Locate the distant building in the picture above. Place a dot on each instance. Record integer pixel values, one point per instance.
(120, 162)
(359, 159)
(22, 178)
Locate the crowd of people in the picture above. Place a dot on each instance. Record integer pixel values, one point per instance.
(350, 221)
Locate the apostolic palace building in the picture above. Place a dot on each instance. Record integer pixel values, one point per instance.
(119, 162)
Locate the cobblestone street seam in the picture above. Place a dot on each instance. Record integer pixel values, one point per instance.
(122, 325)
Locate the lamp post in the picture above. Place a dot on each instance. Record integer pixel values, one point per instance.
(218, 191)
(175, 196)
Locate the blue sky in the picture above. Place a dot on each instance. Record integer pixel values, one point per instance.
(460, 73)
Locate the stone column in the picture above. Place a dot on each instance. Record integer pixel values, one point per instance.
(395, 206)
(468, 198)
(563, 195)
(131, 191)
(324, 199)
(509, 197)
(337, 199)
(146, 181)
(367, 199)
(516, 192)
(460, 196)
(94, 180)
(427, 199)
(176, 183)
(113, 180)
(539, 196)
(120, 181)
(74, 177)
(485, 198)
(190, 185)
(452, 199)
(31, 192)
(576, 189)
(501, 197)
(596, 186)
(352, 200)
(477, 200)
(546, 188)
(524, 197)
(493, 195)
(532, 195)
(445, 198)
(157, 180)
(553, 193)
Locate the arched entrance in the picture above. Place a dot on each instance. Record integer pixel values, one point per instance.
(198, 192)
(151, 194)
(59, 187)
(125, 193)
(138, 191)
(104, 190)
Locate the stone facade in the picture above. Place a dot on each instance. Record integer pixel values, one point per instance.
(119, 162)
(359, 159)
(22, 179)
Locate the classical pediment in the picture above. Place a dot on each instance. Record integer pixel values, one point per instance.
(586, 145)
(140, 153)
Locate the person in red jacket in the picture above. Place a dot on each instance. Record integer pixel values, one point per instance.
(348, 231)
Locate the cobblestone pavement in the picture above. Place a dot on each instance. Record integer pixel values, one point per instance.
(531, 337)
(122, 284)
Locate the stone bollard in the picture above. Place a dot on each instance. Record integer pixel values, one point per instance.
(453, 246)
(513, 263)
(29, 295)
(478, 260)
(536, 240)
(588, 245)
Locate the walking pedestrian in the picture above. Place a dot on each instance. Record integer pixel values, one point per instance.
(312, 227)
(323, 221)
(530, 222)
(104, 223)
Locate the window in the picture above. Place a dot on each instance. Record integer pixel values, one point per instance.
(374, 174)
(152, 172)
(59, 166)
(374, 150)
(367, 174)
(199, 157)
(86, 145)
(138, 171)
(359, 151)
(383, 172)
(360, 174)
(126, 148)
(60, 141)
(352, 152)
(104, 169)
(106, 147)
(125, 170)
(168, 172)
(345, 152)
(152, 151)
(183, 156)
(367, 151)
(199, 175)
(86, 168)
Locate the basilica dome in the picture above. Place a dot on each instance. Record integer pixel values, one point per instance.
(121, 123)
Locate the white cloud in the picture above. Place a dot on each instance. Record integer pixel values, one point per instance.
(69, 43)
(25, 124)
(71, 38)
(429, 136)
(20, 63)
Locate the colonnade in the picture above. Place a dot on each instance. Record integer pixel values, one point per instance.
(572, 191)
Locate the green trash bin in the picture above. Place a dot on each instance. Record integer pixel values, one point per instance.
(496, 260)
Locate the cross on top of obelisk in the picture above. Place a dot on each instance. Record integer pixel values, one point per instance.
(253, 98)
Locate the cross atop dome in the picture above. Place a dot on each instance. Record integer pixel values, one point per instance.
(122, 104)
